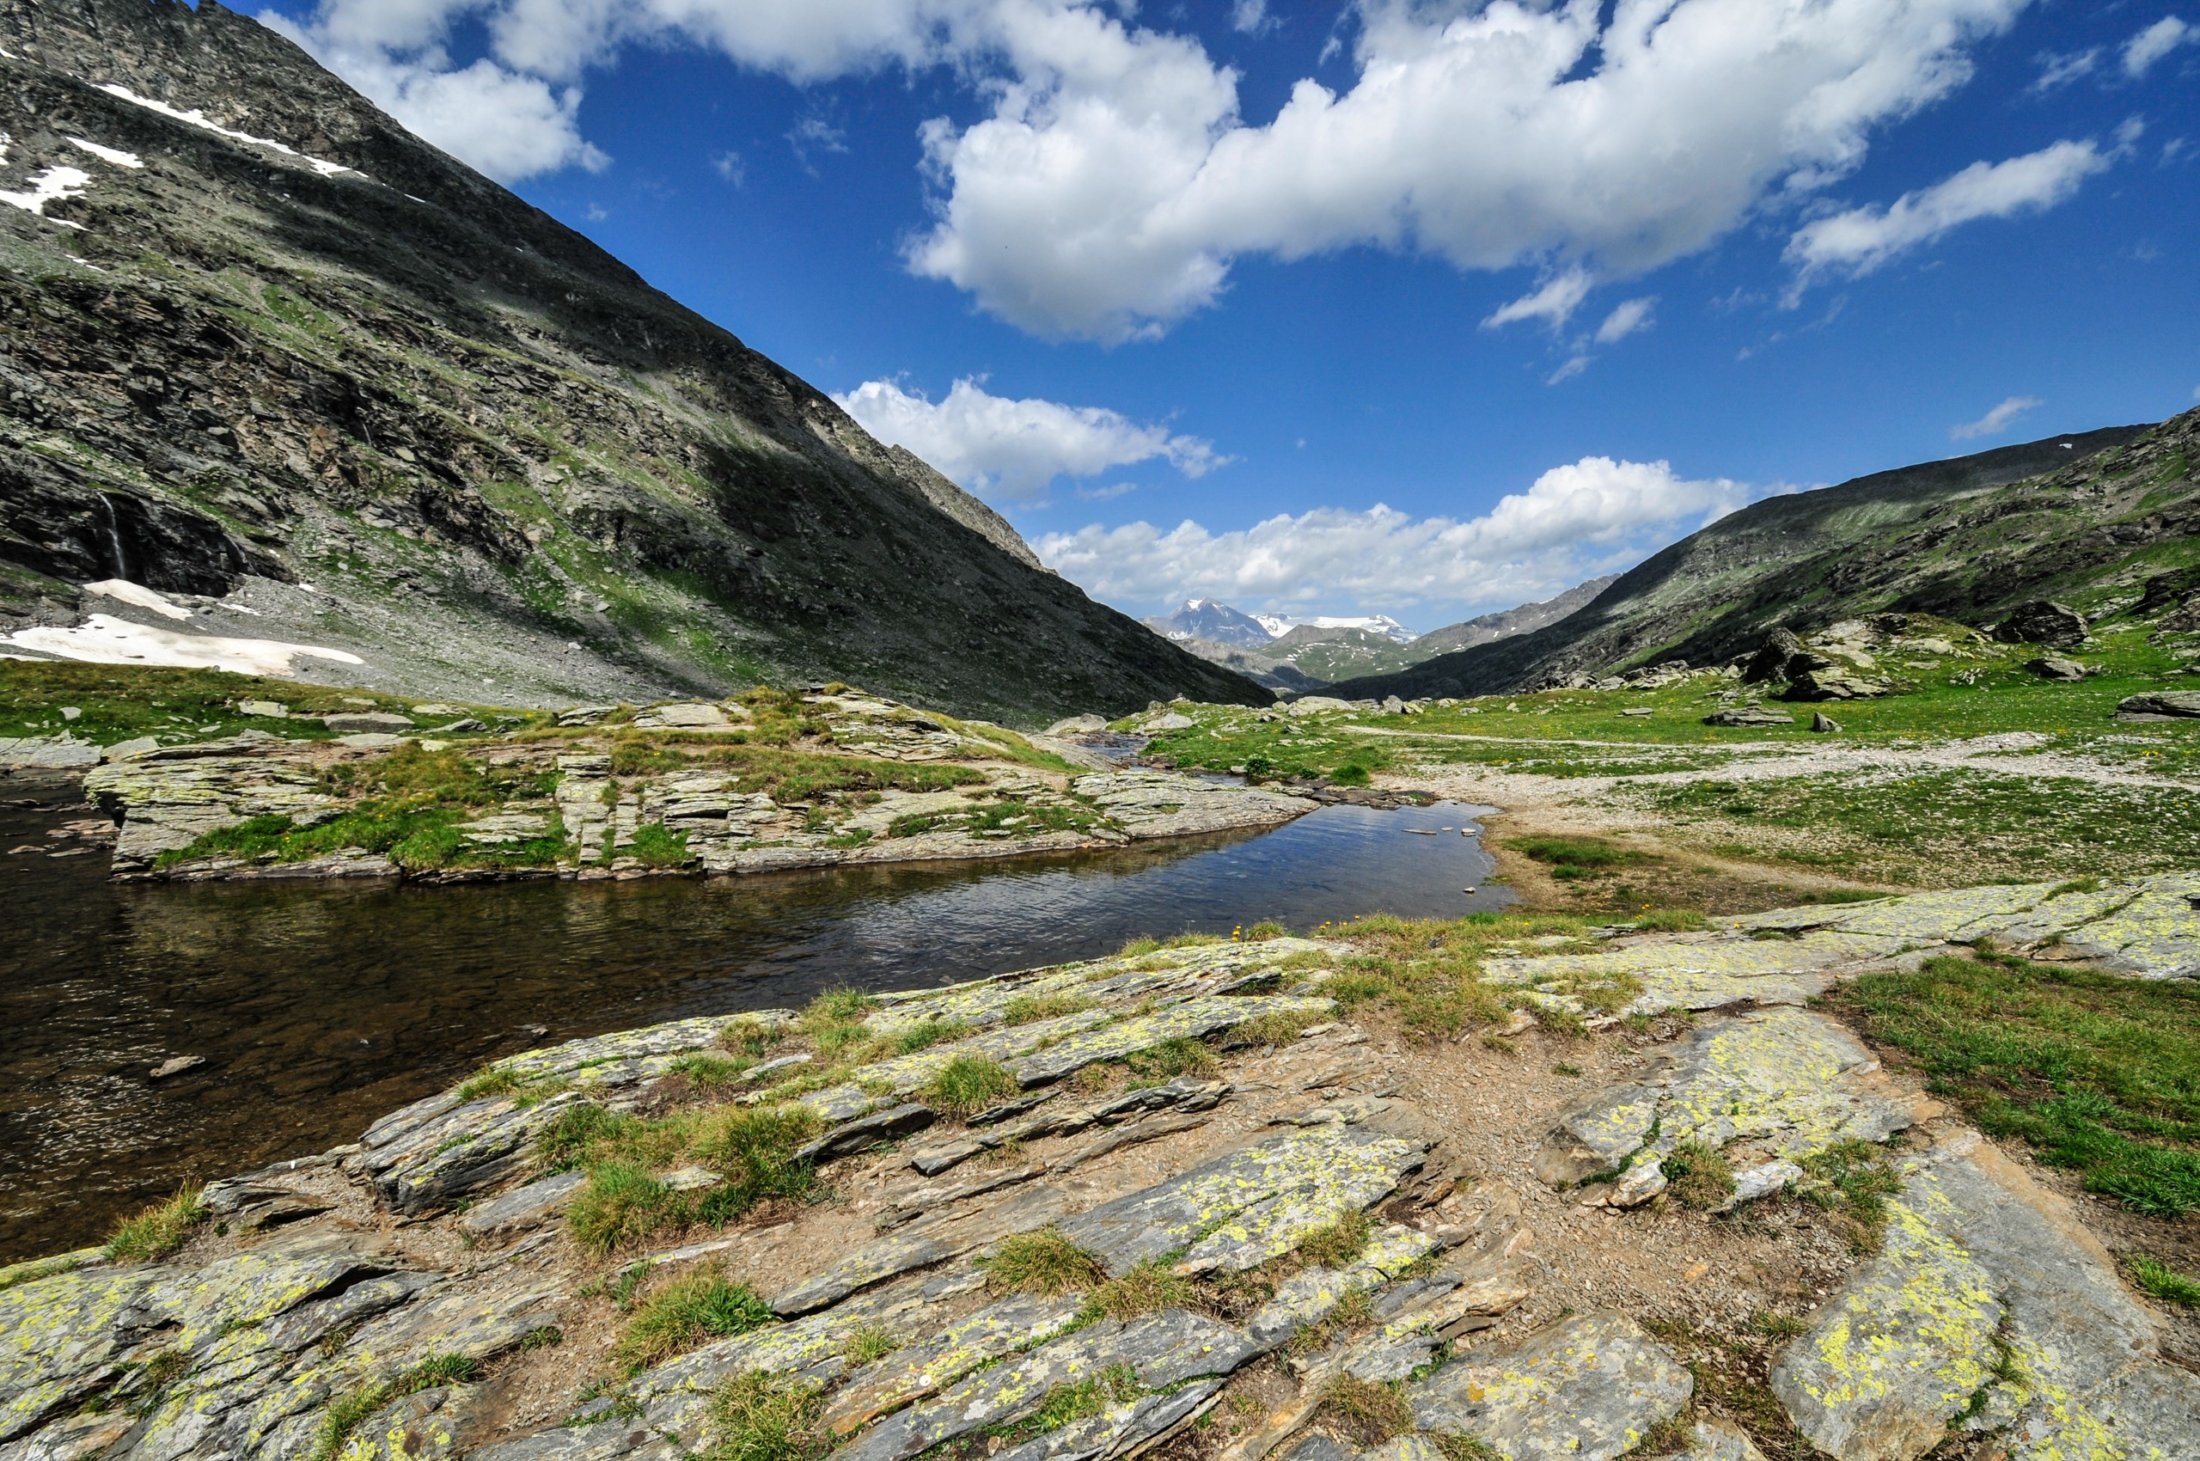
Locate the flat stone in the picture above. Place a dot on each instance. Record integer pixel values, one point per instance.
(1780, 1083)
(1310, 1295)
(524, 1207)
(266, 709)
(2053, 667)
(922, 1369)
(363, 722)
(1193, 1019)
(1248, 1206)
(1590, 1388)
(1121, 1428)
(1976, 1256)
(1160, 1350)
(1719, 1440)
(872, 1263)
(867, 1132)
(176, 1065)
(1748, 715)
(371, 740)
(2160, 705)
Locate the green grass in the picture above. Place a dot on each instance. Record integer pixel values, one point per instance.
(349, 1411)
(1429, 971)
(969, 1084)
(1339, 1243)
(751, 1149)
(760, 1417)
(2098, 1074)
(2155, 1277)
(1170, 1060)
(1147, 1288)
(124, 702)
(1026, 1009)
(683, 1314)
(159, 1230)
(1067, 1404)
(1044, 1262)
(1571, 859)
(1853, 1180)
(655, 846)
(1367, 1412)
(1698, 1175)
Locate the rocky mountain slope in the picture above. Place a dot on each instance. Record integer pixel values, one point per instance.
(2090, 518)
(263, 346)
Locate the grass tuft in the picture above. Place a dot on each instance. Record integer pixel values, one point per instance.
(1698, 1175)
(1043, 1262)
(2162, 1281)
(760, 1417)
(683, 1314)
(1366, 1412)
(1148, 1288)
(969, 1084)
(1340, 1242)
(159, 1230)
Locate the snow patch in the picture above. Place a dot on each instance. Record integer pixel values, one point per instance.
(50, 186)
(105, 640)
(199, 119)
(114, 155)
(137, 593)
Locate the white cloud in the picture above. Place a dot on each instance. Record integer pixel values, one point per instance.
(730, 166)
(2058, 71)
(1007, 448)
(1115, 182)
(1251, 17)
(1573, 366)
(1575, 521)
(1996, 421)
(1554, 303)
(1631, 317)
(1111, 182)
(814, 134)
(507, 124)
(1862, 239)
(2155, 42)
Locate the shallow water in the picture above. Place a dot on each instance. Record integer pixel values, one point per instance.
(319, 1006)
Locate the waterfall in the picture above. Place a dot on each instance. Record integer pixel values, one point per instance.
(114, 537)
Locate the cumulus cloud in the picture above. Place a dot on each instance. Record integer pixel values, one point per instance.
(1111, 181)
(1115, 182)
(2155, 42)
(1554, 303)
(1004, 448)
(1573, 522)
(505, 123)
(1862, 239)
(1631, 317)
(1996, 421)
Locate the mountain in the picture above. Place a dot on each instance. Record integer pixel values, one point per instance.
(2081, 517)
(1213, 623)
(1381, 624)
(1508, 622)
(264, 347)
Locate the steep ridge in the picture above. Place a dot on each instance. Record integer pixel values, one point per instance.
(261, 344)
(1965, 538)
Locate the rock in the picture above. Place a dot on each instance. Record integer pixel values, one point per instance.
(176, 1065)
(2043, 622)
(1392, 705)
(1771, 662)
(1638, 711)
(366, 722)
(1637, 1185)
(48, 753)
(131, 749)
(584, 714)
(2160, 705)
(1588, 1388)
(526, 1206)
(1834, 685)
(1307, 705)
(1077, 725)
(2052, 667)
(1748, 715)
(693, 715)
(1824, 724)
(1150, 804)
(266, 709)
(1244, 1208)
(1979, 1261)
(1169, 721)
(371, 740)
(1782, 1082)
(1762, 1180)
(867, 1132)
(939, 1360)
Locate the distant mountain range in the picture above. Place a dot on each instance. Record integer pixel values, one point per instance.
(1308, 654)
(2092, 519)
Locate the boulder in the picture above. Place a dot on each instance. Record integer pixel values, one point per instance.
(1824, 724)
(2043, 622)
(266, 709)
(1770, 662)
(1392, 705)
(1318, 705)
(1077, 725)
(2054, 667)
(1827, 684)
(2161, 705)
(1748, 715)
(366, 722)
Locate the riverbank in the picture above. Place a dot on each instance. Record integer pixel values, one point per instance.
(209, 776)
(1524, 1186)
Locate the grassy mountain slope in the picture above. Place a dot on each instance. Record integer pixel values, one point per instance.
(390, 408)
(1966, 539)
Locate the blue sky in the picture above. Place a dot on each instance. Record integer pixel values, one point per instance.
(1417, 308)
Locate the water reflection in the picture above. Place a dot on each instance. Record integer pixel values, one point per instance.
(319, 1006)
